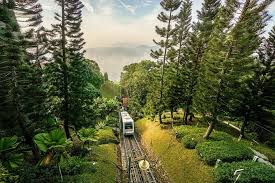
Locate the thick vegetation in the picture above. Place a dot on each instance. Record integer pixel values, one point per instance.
(252, 172)
(52, 114)
(206, 68)
(226, 151)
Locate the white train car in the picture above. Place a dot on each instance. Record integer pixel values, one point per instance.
(126, 124)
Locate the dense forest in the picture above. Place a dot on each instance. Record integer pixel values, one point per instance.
(220, 67)
(50, 93)
(59, 112)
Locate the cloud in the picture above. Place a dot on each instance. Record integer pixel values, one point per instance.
(88, 6)
(128, 7)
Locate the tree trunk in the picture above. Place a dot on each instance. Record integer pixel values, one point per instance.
(65, 74)
(160, 120)
(186, 113)
(243, 126)
(209, 130)
(172, 114)
(163, 64)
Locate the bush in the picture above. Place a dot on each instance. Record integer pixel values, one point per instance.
(6, 176)
(254, 172)
(219, 136)
(226, 151)
(181, 131)
(176, 117)
(75, 165)
(35, 174)
(190, 141)
(106, 136)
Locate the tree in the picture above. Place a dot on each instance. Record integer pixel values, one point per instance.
(176, 69)
(257, 92)
(17, 74)
(72, 82)
(197, 44)
(106, 78)
(137, 79)
(165, 33)
(228, 58)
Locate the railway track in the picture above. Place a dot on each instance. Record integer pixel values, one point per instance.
(131, 146)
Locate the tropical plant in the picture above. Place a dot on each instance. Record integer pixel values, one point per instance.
(53, 144)
(10, 157)
(100, 125)
(6, 176)
(87, 136)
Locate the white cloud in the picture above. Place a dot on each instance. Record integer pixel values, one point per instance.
(128, 7)
(88, 6)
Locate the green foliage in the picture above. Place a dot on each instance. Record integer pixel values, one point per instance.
(6, 176)
(37, 174)
(87, 135)
(190, 141)
(181, 131)
(104, 107)
(76, 165)
(110, 90)
(10, 158)
(100, 125)
(227, 151)
(137, 79)
(48, 141)
(254, 172)
(106, 136)
(54, 145)
(195, 136)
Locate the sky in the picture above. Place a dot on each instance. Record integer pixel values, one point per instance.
(119, 22)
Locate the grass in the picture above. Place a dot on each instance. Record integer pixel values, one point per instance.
(105, 158)
(106, 136)
(109, 89)
(181, 164)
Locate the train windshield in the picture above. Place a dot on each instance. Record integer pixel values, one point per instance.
(128, 126)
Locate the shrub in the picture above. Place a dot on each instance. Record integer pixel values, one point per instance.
(226, 151)
(106, 136)
(176, 117)
(181, 131)
(219, 136)
(100, 125)
(35, 174)
(75, 165)
(190, 141)
(254, 172)
(6, 176)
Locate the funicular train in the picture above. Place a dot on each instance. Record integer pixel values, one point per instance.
(126, 123)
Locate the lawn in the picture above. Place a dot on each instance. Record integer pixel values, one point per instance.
(181, 164)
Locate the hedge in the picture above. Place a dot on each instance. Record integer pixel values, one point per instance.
(181, 131)
(227, 151)
(219, 136)
(190, 141)
(254, 172)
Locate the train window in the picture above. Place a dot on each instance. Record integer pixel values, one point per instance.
(128, 126)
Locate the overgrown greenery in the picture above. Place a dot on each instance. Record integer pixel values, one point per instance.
(252, 172)
(226, 151)
(50, 99)
(206, 68)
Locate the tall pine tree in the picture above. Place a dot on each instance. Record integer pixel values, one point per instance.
(197, 44)
(166, 33)
(228, 58)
